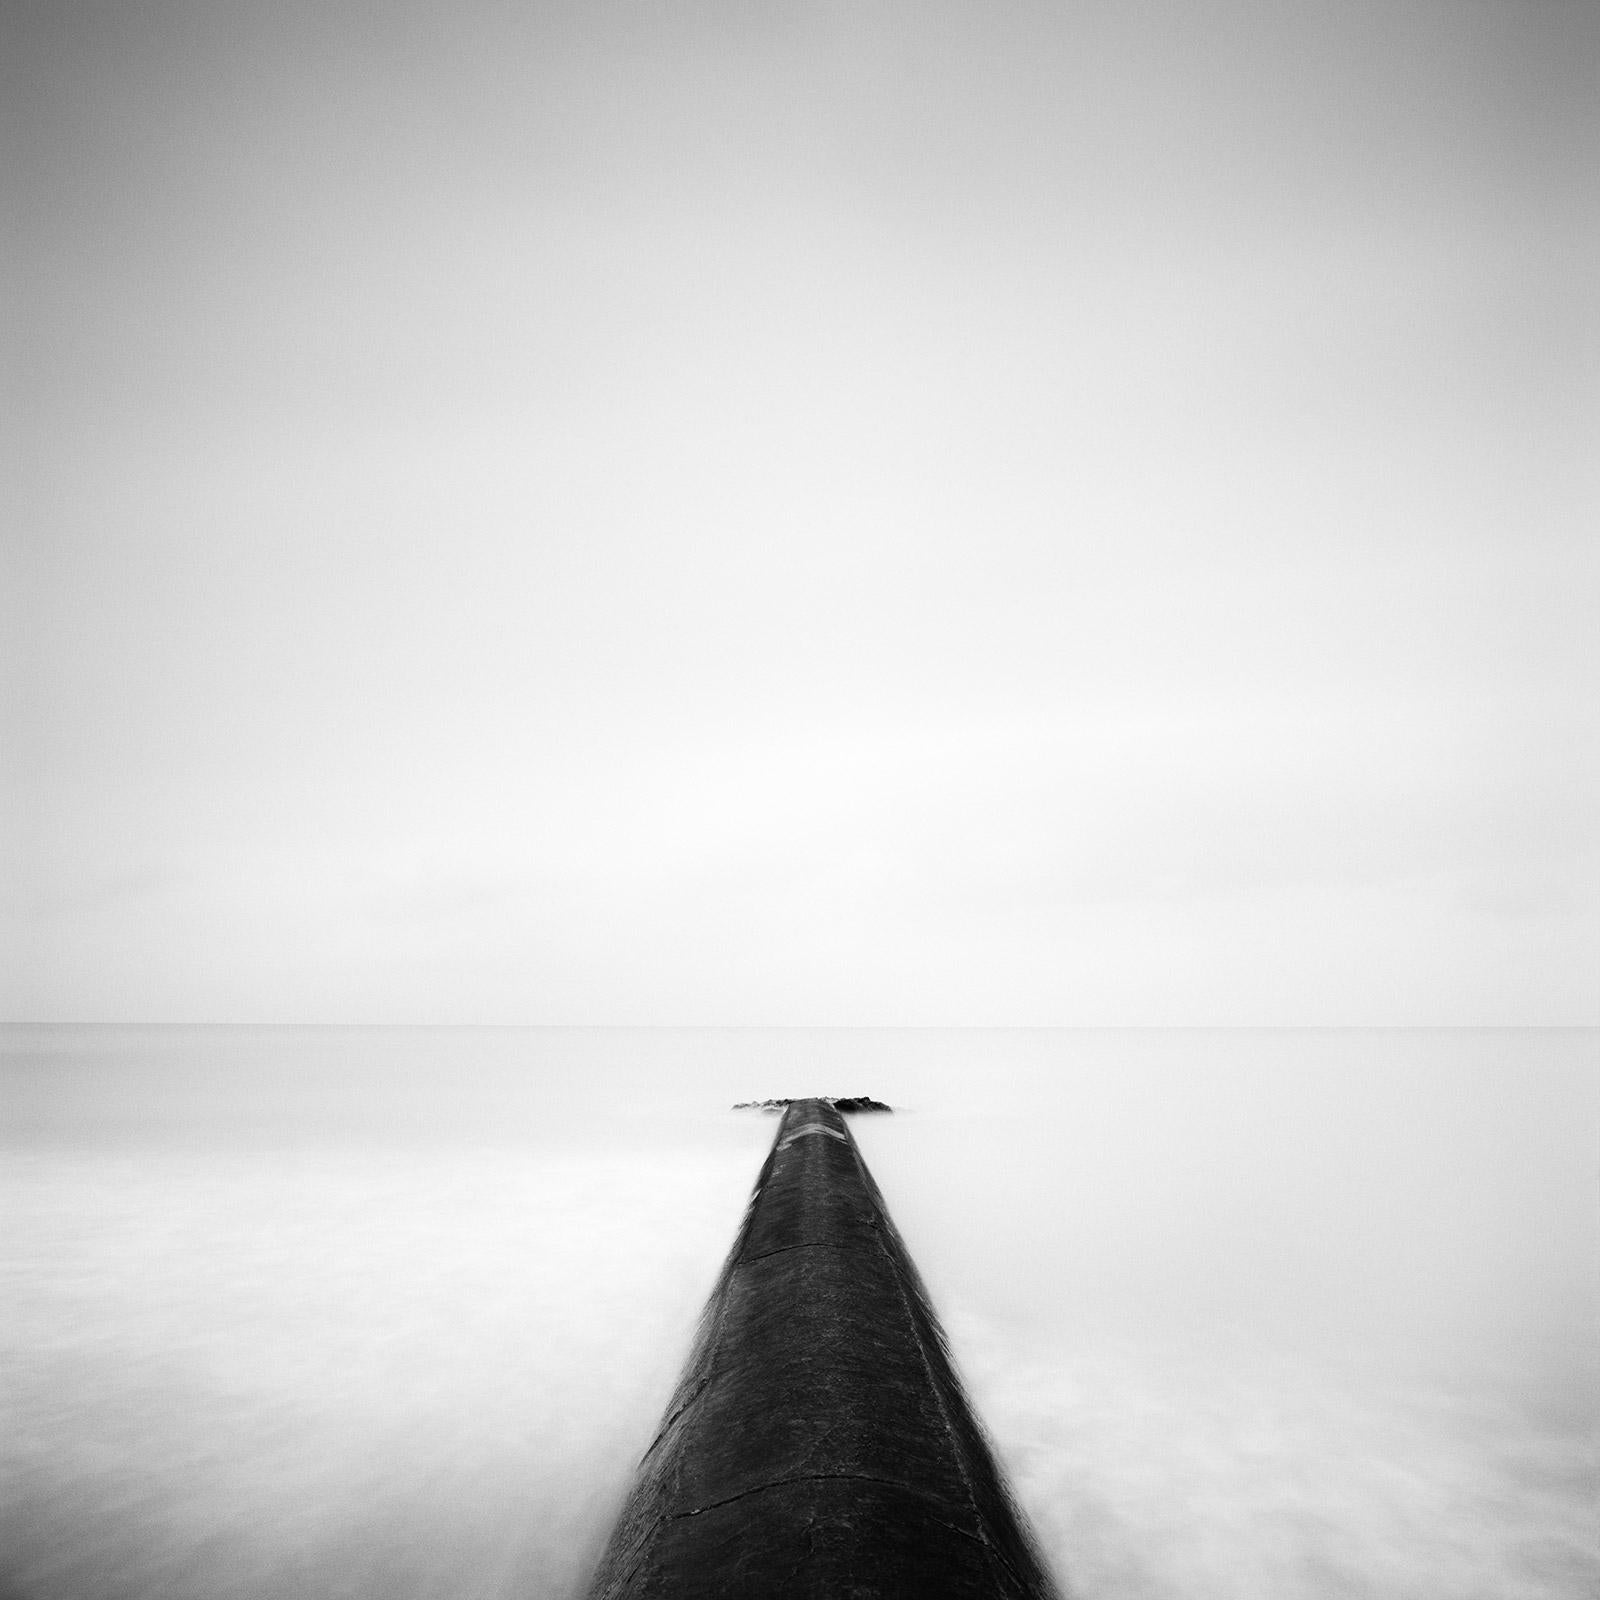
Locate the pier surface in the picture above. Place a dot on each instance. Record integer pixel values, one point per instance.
(819, 1443)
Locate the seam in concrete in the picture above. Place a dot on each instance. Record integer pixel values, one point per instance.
(809, 1244)
(813, 1128)
(826, 1477)
(699, 1389)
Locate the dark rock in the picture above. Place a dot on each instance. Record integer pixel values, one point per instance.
(846, 1103)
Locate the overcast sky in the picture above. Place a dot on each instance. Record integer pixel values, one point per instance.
(816, 513)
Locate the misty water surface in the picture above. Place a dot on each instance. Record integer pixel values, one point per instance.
(390, 1312)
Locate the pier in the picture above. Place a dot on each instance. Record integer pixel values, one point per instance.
(819, 1443)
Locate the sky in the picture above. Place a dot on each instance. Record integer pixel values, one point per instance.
(820, 514)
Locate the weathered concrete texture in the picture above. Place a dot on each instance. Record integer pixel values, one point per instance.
(819, 1444)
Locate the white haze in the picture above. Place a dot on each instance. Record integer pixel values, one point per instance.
(391, 1313)
(841, 513)
(581, 511)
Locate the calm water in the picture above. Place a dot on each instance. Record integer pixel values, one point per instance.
(354, 1312)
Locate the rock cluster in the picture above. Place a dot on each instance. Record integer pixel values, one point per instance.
(853, 1102)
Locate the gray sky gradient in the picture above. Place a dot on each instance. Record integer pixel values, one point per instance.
(804, 514)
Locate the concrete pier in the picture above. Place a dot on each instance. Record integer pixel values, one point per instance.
(819, 1443)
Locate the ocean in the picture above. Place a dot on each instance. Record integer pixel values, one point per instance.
(362, 1312)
